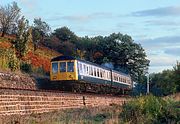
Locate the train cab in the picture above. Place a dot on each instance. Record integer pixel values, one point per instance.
(63, 68)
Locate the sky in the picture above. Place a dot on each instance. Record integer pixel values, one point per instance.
(155, 24)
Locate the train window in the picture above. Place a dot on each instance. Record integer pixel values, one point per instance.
(98, 73)
(104, 74)
(80, 67)
(62, 66)
(55, 67)
(91, 71)
(84, 69)
(107, 74)
(87, 70)
(95, 72)
(70, 67)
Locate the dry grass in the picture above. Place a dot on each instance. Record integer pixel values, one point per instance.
(98, 115)
(175, 96)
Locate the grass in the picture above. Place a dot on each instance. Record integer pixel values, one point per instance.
(98, 115)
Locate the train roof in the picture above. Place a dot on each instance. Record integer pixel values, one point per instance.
(58, 58)
(63, 58)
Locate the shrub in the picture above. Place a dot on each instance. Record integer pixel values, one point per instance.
(149, 109)
(25, 67)
(13, 62)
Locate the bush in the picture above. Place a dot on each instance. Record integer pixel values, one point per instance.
(148, 110)
(13, 62)
(25, 67)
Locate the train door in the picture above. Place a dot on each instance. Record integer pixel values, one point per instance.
(71, 73)
(62, 70)
(54, 71)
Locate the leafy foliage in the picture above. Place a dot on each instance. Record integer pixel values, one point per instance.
(65, 34)
(167, 82)
(150, 109)
(40, 30)
(25, 67)
(125, 54)
(22, 38)
(13, 62)
(176, 75)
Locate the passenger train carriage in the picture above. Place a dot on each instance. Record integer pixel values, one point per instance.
(69, 70)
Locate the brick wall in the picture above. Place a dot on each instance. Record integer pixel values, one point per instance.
(27, 102)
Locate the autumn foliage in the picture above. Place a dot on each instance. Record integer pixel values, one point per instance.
(38, 59)
(5, 45)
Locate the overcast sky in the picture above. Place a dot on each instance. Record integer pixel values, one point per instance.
(154, 24)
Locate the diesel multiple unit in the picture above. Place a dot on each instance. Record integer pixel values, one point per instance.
(68, 69)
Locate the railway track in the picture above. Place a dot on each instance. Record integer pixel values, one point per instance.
(60, 91)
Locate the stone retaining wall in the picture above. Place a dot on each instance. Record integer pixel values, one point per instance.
(27, 102)
(19, 81)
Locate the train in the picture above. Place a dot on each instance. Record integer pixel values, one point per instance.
(79, 75)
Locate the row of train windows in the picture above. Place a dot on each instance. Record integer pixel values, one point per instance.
(63, 67)
(93, 71)
(120, 79)
(97, 72)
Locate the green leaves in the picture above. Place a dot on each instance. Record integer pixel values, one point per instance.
(166, 82)
(22, 37)
(124, 53)
(149, 109)
(65, 34)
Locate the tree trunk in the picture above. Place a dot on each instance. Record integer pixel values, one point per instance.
(3, 33)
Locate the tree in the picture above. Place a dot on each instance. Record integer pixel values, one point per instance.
(65, 34)
(40, 30)
(176, 75)
(22, 37)
(9, 15)
(88, 46)
(163, 83)
(125, 55)
(42, 26)
(67, 48)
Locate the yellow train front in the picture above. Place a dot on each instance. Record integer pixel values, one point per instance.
(83, 75)
(63, 68)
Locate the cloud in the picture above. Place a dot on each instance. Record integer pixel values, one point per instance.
(125, 24)
(164, 11)
(82, 18)
(156, 69)
(173, 51)
(161, 60)
(162, 23)
(161, 42)
(163, 52)
(31, 4)
(91, 31)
